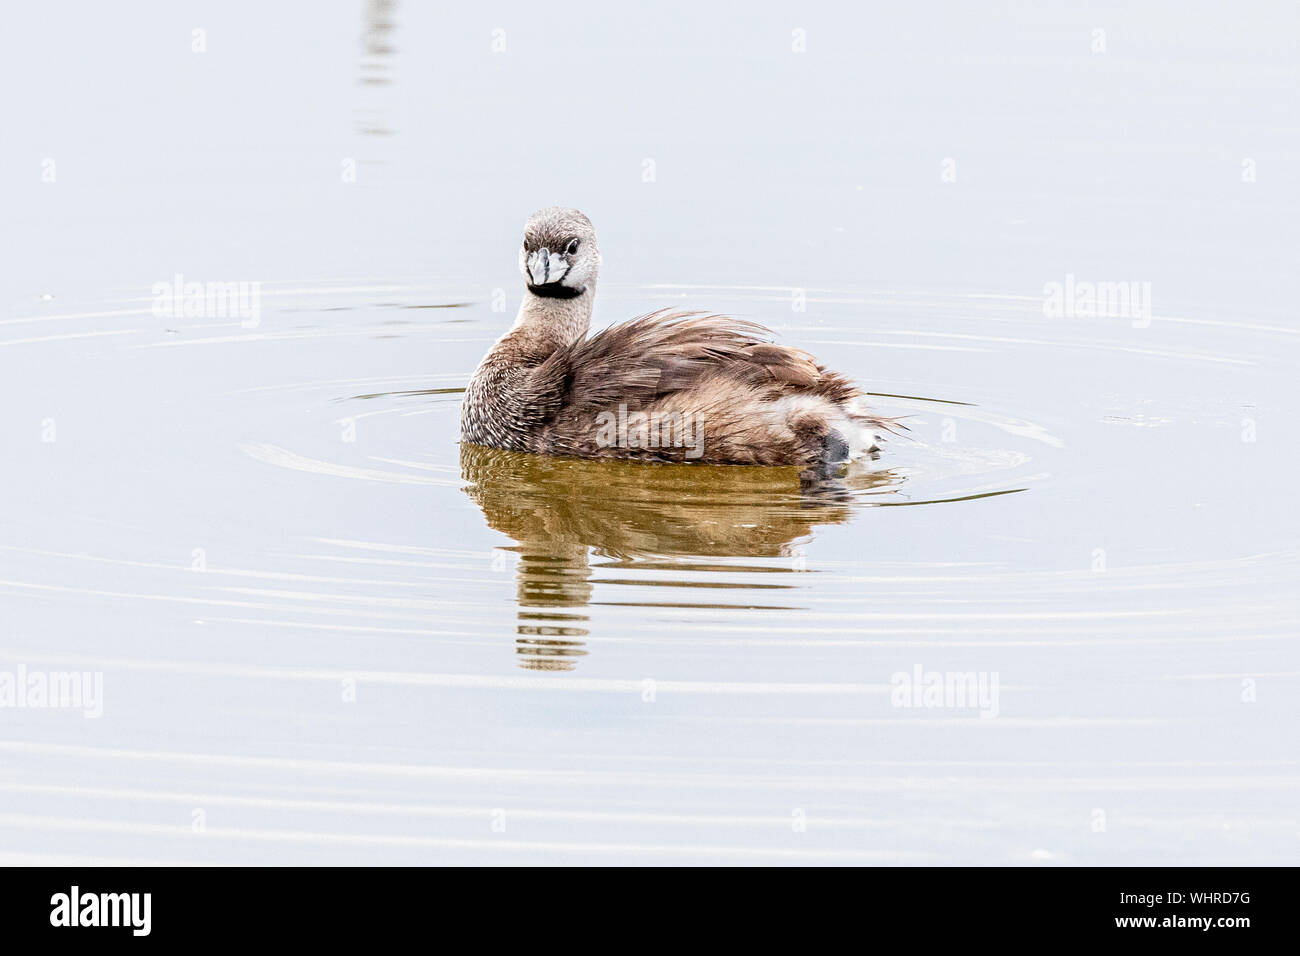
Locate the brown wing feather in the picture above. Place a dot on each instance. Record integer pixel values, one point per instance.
(663, 352)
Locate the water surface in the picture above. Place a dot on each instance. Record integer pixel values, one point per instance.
(329, 633)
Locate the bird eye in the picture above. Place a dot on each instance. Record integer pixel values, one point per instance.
(572, 247)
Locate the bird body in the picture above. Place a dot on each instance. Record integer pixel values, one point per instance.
(668, 386)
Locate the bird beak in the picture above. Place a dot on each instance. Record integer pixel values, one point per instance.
(545, 266)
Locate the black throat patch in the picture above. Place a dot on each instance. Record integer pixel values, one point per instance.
(555, 290)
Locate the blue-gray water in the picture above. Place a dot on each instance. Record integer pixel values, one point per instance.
(323, 637)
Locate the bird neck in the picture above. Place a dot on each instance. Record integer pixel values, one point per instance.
(555, 322)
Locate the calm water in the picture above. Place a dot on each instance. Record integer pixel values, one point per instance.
(328, 633)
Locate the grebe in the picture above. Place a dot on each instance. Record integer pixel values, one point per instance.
(666, 387)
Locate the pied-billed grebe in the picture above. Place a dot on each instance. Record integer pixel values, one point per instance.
(668, 386)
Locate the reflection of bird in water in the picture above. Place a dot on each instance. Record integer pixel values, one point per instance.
(559, 509)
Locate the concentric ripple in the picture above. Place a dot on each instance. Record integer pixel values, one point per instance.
(374, 636)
